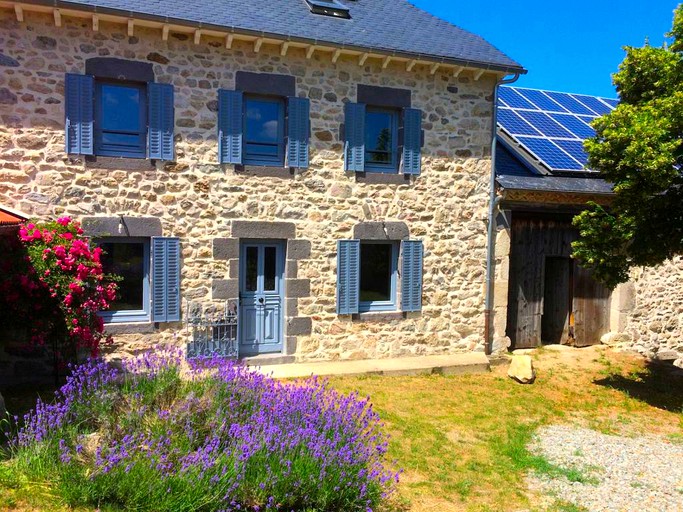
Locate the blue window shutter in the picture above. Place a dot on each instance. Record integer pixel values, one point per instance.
(80, 114)
(161, 121)
(298, 132)
(412, 140)
(411, 275)
(229, 127)
(165, 279)
(348, 276)
(354, 134)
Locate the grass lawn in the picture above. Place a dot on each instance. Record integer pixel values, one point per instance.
(461, 440)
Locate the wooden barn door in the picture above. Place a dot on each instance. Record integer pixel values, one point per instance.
(525, 292)
(591, 308)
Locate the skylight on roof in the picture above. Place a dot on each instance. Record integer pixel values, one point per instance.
(329, 8)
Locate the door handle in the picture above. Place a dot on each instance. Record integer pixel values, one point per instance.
(261, 300)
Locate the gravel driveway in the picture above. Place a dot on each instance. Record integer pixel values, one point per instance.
(627, 474)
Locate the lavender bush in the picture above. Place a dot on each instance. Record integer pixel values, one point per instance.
(222, 438)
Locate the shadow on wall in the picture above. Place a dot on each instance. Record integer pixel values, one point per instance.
(658, 384)
(21, 362)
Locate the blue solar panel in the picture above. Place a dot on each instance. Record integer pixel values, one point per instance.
(541, 100)
(513, 99)
(569, 103)
(574, 148)
(575, 125)
(550, 154)
(552, 125)
(545, 124)
(514, 124)
(593, 103)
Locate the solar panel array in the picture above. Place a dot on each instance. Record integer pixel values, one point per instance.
(551, 125)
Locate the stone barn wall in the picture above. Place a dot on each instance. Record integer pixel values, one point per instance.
(648, 311)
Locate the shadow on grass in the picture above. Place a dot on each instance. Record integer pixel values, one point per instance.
(658, 384)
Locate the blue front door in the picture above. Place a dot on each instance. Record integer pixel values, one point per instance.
(262, 267)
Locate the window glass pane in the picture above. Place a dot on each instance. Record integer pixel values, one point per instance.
(120, 106)
(269, 268)
(262, 150)
(126, 260)
(375, 272)
(263, 118)
(378, 133)
(251, 269)
(120, 139)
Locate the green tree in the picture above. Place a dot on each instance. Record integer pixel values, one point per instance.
(638, 147)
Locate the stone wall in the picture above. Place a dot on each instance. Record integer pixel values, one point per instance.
(199, 201)
(648, 311)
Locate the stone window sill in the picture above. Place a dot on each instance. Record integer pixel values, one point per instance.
(265, 171)
(379, 316)
(118, 163)
(382, 178)
(129, 328)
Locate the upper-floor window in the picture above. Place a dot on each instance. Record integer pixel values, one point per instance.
(120, 119)
(109, 116)
(381, 144)
(382, 138)
(264, 130)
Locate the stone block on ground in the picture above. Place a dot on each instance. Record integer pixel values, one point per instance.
(666, 355)
(614, 338)
(500, 344)
(522, 369)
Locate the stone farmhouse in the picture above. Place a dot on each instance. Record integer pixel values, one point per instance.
(318, 165)
(319, 170)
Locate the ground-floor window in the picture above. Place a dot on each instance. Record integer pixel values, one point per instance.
(130, 260)
(368, 277)
(378, 269)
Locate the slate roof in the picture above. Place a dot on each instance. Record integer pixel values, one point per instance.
(540, 183)
(387, 26)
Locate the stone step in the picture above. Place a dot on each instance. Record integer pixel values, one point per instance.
(268, 360)
(454, 364)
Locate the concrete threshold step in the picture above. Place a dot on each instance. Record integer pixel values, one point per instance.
(454, 364)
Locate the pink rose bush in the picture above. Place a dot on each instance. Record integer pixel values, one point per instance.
(56, 285)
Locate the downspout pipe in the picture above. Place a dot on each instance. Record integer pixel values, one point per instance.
(492, 228)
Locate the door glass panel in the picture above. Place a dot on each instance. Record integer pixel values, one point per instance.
(251, 266)
(269, 268)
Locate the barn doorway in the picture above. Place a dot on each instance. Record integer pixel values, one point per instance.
(557, 300)
(551, 299)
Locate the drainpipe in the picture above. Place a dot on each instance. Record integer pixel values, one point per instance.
(493, 209)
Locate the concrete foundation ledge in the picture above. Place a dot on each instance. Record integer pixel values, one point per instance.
(455, 364)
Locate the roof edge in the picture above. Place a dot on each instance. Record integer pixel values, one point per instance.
(487, 66)
(21, 215)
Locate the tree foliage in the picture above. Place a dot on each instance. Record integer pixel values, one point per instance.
(638, 147)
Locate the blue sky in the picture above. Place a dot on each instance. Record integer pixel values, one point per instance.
(570, 46)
